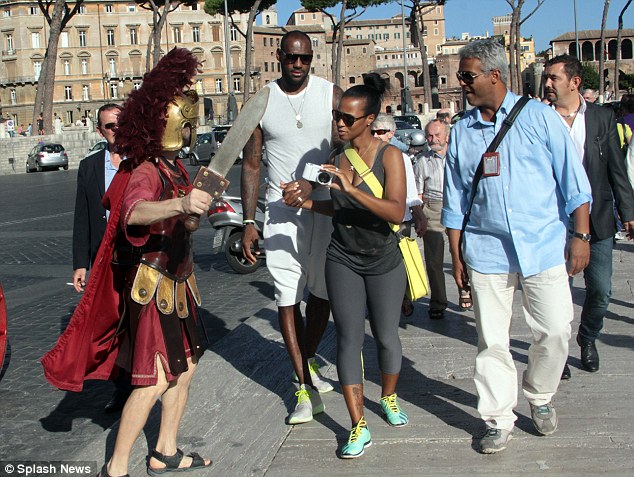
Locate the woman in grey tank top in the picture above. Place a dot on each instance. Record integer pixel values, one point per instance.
(364, 267)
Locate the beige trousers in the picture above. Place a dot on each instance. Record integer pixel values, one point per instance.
(547, 308)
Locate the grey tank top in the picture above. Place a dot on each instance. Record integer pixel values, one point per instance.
(360, 240)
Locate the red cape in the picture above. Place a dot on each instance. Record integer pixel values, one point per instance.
(86, 349)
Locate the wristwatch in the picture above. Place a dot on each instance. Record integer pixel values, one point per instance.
(584, 237)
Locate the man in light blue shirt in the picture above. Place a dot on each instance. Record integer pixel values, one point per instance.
(516, 235)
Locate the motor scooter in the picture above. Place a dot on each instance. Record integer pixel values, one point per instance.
(225, 216)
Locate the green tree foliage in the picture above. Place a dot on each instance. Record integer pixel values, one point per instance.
(355, 8)
(590, 77)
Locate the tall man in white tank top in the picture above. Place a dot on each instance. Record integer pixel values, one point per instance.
(297, 129)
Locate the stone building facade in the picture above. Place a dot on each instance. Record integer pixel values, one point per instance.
(101, 55)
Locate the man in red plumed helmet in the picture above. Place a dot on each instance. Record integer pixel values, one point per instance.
(147, 259)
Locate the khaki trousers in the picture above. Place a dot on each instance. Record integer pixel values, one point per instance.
(434, 251)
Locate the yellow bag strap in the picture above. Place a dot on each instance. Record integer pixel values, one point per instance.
(367, 175)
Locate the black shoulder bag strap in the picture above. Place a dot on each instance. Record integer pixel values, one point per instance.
(506, 125)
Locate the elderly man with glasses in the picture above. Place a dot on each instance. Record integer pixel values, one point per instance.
(297, 129)
(515, 235)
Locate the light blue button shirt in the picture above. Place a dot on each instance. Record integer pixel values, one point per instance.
(109, 171)
(519, 218)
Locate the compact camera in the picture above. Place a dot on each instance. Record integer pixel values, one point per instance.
(313, 172)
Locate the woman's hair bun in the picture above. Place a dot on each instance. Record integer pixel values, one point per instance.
(374, 81)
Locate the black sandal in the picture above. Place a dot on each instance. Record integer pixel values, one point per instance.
(465, 301)
(172, 462)
(104, 472)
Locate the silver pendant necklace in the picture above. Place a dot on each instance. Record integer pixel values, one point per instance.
(298, 113)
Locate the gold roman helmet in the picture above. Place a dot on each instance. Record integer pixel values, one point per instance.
(181, 111)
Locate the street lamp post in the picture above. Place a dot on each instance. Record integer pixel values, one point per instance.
(231, 101)
(405, 94)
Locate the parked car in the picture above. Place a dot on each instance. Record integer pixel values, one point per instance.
(47, 156)
(97, 146)
(404, 130)
(412, 119)
(205, 148)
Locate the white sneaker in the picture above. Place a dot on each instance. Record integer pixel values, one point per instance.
(318, 382)
(315, 375)
(620, 235)
(308, 404)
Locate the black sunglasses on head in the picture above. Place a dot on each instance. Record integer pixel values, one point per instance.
(467, 77)
(348, 119)
(110, 126)
(291, 58)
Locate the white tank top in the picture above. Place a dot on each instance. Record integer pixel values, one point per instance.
(288, 147)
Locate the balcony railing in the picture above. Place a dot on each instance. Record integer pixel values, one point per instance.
(18, 80)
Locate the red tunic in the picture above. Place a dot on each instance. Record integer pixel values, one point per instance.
(94, 338)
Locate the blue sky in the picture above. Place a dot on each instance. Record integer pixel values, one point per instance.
(474, 16)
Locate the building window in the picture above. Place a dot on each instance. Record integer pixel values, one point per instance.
(196, 34)
(264, 41)
(109, 8)
(195, 6)
(14, 97)
(67, 67)
(347, 51)
(397, 35)
(63, 39)
(365, 50)
(386, 36)
(131, 8)
(315, 42)
(37, 69)
(234, 34)
(34, 11)
(352, 80)
(110, 37)
(114, 90)
(112, 66)
(133, 37)
(35, 39)
(6, 12)
(218, 85)
(301, 16)
(436, 31)
(236, 84)
(82, 38)
(68, 93)
(136, 85)
(82, 9)
(9, 42)
(266, 66)
(85, 92)
(84, 66)
(176, 34)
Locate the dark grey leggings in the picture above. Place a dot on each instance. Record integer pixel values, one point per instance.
(349, 293)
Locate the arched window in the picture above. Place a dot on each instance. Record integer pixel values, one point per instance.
(597, 51)
(587, 51)
(572, 49)
(626, 49)
(612, 50)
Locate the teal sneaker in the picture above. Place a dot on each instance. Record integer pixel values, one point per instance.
(393, 412)
(357, 442)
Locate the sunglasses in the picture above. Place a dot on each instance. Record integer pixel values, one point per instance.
(467, 77)
(291, 58)
(110, 126)
(380, 132)
(348, 119)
